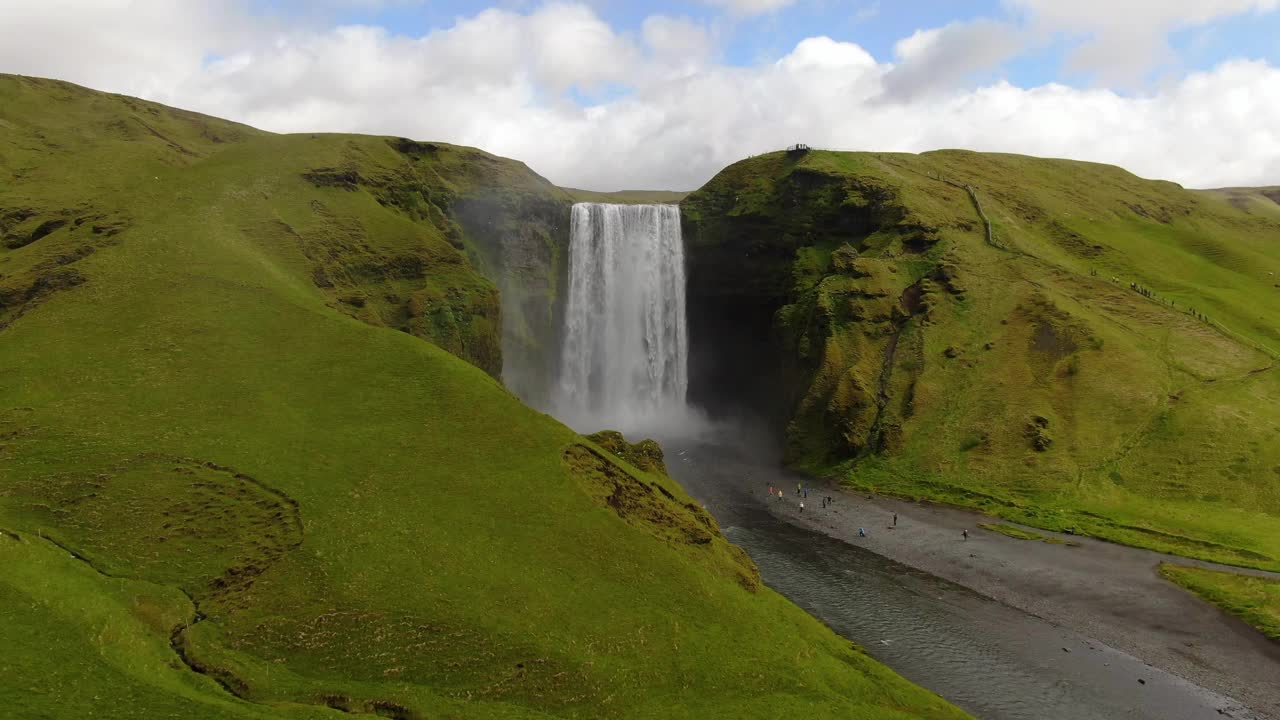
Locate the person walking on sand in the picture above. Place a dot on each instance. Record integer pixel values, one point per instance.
(895, 519)
(801, 506)
(862, 532)
(965, 533)
(797, 488)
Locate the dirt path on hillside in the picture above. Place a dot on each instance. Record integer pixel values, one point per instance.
(1108, 592)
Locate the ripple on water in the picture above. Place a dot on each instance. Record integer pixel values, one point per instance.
(994, 661)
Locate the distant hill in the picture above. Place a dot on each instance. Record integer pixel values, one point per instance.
(1264, 200)
(627, 197)
(1102, 359)
(255, 462)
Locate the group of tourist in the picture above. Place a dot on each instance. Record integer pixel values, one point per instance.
(828, 501)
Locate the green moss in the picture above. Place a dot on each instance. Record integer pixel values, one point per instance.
(816, 240)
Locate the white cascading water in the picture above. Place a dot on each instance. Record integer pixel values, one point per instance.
(624, 361)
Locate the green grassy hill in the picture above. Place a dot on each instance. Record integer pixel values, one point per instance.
(254, 462)
(1103, 361)
(627, 197)
(1253, 201)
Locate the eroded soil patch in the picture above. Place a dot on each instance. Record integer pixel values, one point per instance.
(651, 507)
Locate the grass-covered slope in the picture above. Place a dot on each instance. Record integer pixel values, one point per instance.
(626, 197)
(1254, 201)
(1103, 361)
(1256, 600)
(236, 480)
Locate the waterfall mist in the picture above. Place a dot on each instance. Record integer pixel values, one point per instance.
(625, 353)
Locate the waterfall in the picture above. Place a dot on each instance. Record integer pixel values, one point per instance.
(625, 346)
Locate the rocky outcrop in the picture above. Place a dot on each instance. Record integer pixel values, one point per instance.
(477, 212)
(794, 273)
(513, 225)
(47, 244)
(521, 242)
(652, 502)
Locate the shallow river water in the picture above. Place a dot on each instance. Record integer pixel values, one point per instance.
(995, 661)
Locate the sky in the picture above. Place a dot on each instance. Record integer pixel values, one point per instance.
(611, 94)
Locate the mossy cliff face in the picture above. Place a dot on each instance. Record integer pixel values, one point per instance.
(816, 277)
(644, 500)
(509, 223)
(518, 235)
(1056, 342)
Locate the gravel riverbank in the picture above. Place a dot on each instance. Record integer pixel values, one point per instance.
(1108, 596)
(1108, 592)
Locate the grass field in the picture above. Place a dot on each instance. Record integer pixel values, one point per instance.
(255, 462)
(1254, 600)
(1105, 364)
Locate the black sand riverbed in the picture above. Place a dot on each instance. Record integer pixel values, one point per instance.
(1005, 628)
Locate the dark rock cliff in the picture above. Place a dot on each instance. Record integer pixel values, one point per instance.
(797, 305)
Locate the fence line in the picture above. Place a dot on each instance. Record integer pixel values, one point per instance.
(977, 205)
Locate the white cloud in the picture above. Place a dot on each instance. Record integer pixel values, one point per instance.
(148, 46)
(750, 7)
(495, 80)
(1109, 14)
(570, 45)
(825, 54)
(677, 48)
(941, 58)
(1127, 37)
